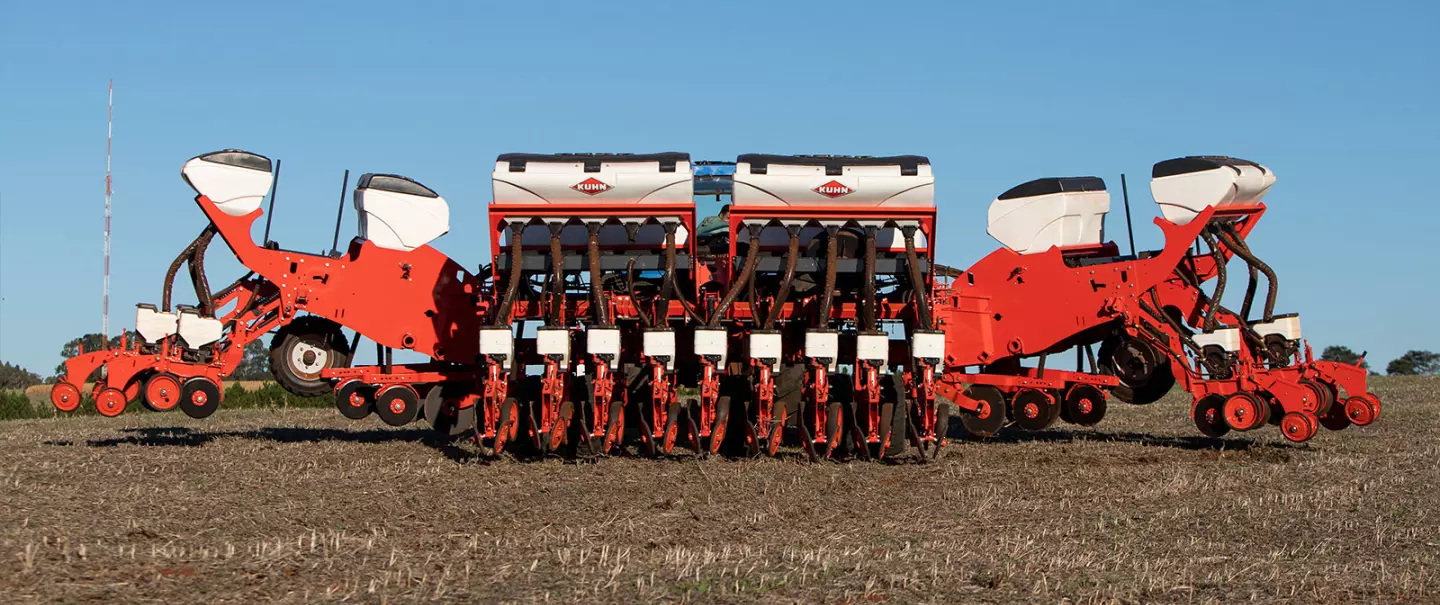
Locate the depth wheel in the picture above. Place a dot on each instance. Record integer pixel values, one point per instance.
(1245, 411)
(1033, 410)
(1209, 415)
(199, 397)
(302, 349)
(355, 399)
(1299, 426)
(1084, 405)
(110, 402)
(161, 394)
(397, 405)
(1361, 410)
(65, 397)
(990, 418)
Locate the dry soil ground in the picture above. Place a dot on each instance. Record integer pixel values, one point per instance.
(303, 506)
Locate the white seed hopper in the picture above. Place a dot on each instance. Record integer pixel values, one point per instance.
(1051, 212)
(1185, 187)
(399, 213)
(235, 180)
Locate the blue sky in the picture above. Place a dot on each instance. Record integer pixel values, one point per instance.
(1338, 98)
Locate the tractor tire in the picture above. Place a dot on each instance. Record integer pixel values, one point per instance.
(304, 347)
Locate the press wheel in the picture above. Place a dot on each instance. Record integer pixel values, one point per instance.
(355, 399)
(199, 397)
(990, 418)
(161, 393)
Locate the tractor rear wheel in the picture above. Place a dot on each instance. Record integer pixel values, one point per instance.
(301, 349)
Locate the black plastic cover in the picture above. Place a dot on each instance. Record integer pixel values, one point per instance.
(834, 164)
(238, 157)
(1051, 185)
(1197, 163)
(592, 161)
(394, 183)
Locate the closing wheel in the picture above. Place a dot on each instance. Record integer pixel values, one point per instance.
(1361, 410)
(943, 411)
(397, 405)
(355, 399)
(303, 348)
(1209, 415)
(615, 425)
(833, 432)
(776, 430)
(65, 397)
(1084, 405)
(508, 425)
(199, 397)
(161, 394)
(1144, 371)
(1033, 409)
(560, 432)
(1245, 411)
(1299, 426)
(110, 402)
(990, 418)
(722, 421)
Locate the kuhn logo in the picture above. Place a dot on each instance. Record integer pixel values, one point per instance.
(591, 186)
(833, 189)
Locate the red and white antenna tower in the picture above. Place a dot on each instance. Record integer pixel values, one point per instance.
(109, 131)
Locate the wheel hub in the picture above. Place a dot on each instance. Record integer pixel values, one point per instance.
(306, 359)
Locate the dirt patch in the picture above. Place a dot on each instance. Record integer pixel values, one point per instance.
(301, 505)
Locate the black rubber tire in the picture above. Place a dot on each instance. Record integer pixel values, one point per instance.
(1046, 407)
(397, 396)
(355, 400)
(1070, 406)
(984, 427)
(203, 386)
(1156, 384)
(317, 332)
(1209, 416)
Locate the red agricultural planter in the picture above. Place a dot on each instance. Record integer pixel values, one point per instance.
(810, 313)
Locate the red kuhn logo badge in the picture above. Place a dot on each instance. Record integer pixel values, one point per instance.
(833, 189)
(591, 186)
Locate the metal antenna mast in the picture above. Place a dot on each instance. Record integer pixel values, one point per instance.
(109, 132)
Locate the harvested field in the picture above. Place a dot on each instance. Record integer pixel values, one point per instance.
(301, 505)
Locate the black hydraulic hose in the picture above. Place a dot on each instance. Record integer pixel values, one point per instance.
(1243, 251)
(832, 250)
(557, 287)
(634, 298)
(791, 258)
(175, 267)
(1158, 312)
(1214, 307)
(512, 287)
(917, 281)
(1250, 288)
(203, 295)
(867, 317)
(597, 293)
(670, 286)
(752, 258)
